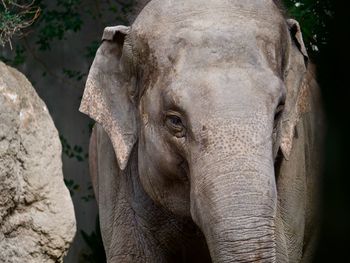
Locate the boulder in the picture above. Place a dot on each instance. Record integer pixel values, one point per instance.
(37, 221)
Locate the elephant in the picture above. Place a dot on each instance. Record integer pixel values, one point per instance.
(208, 136)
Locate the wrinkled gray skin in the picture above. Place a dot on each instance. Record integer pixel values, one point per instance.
(207, 149)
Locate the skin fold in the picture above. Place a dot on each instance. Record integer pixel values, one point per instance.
(208, 136)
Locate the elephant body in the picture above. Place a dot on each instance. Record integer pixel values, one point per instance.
(209, 134)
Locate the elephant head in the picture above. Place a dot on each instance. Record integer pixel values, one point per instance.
(208, 92)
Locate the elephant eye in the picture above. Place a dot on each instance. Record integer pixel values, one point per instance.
(175, 120)
(175, 124)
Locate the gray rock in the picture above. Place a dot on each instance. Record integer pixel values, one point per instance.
(37, 222)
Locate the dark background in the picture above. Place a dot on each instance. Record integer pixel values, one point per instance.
(55, 53)
(334, 245)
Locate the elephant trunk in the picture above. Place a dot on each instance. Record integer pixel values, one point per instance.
(234, 199)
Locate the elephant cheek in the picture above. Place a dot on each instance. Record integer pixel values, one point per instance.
(160, 177)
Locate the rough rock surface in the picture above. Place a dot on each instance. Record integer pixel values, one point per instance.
(37, 222)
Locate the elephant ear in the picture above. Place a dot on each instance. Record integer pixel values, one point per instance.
(107, 97)
(296, 87)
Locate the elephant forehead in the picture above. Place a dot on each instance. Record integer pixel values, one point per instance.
(174, 11)
(215, 37)
(160, 18)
